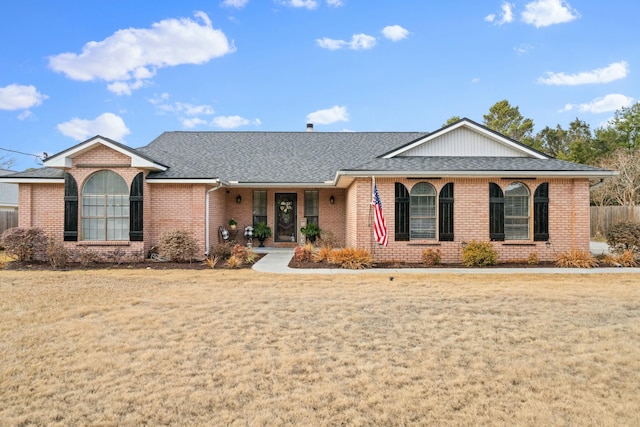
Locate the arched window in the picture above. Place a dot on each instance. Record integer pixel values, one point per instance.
(423, 211)
(105, 207)
(415, 215)
(517, 199)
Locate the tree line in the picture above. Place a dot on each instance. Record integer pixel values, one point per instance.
(615, 145)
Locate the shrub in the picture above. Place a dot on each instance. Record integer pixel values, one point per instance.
(178, 245)
(623, 236)
(479, 254)
(322, 254)
(576, 258)
(302, 253)
(234, 262)
(327, 239)
(431, 256)
(625, 259)
(244, 254)
(221, 251)
(57, 254)
(533, 259)
(351, 258)
(26, 244)
(84, 256)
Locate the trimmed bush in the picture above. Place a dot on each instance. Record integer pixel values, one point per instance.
(479, 254)
(178, 245)
(431, 257)
(624, 236)
(26, 244)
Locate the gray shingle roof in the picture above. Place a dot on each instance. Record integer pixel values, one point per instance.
(269, 157)
(478, 164)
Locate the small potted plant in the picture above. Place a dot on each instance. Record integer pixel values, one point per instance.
(262, 231)
(311, 231)
(233, 224)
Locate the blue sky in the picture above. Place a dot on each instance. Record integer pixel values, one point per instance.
(131, 70)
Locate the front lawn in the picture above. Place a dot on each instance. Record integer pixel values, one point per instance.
(219, 347)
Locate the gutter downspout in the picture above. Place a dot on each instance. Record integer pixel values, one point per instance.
(206, 224)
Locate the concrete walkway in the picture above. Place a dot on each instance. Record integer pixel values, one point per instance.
(277, 260)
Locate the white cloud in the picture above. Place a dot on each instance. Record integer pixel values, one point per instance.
(542, 13)
(331, 44)
(475, 80)
(362, 41)
(358, 42)
(608, 103)
(232, 122)
(308, 4)
(335, 3)
(522, 49)
(108, 125)
(238, 4)
(506, 15)
(329, 116)
(130, 57)
(188, 114)
(395, 32)
(19, 97)
(192, 122)
(615, 71)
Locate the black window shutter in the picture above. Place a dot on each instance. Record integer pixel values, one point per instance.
(446, 213)
(402, 213)
(70, 208)
(541, 213)
(136, 216)
(496, 212)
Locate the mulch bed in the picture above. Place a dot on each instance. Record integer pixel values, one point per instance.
(147, 264)
(403, 265)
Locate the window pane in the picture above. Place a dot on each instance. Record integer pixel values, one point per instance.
(93, 229)
(105, 207)
(311, 203)
(259, 207)
(423, 228)
(516, 212)
(422, 211)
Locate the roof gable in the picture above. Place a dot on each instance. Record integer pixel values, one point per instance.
(468, 139)
(65, 158)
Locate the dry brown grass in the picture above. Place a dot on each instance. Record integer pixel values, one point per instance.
(215, 347)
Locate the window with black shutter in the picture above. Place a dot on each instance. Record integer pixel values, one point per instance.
(445, 225)
(541, 213)
(496, 212)
(136, 214)
(70, 208)
(402, 213)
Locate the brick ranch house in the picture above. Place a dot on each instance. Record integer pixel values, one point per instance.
(439, 190)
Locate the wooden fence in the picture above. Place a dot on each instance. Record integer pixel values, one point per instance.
(8, 219)
(602, 217)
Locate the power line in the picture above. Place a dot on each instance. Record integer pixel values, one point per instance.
(37, 156)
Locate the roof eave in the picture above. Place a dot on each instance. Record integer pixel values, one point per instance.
(475, 174)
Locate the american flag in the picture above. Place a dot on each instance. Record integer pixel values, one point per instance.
(379, 226)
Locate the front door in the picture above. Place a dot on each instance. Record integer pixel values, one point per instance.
(286, 218)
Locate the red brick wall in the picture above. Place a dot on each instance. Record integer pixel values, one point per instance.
(183, 206)
(568, 219)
